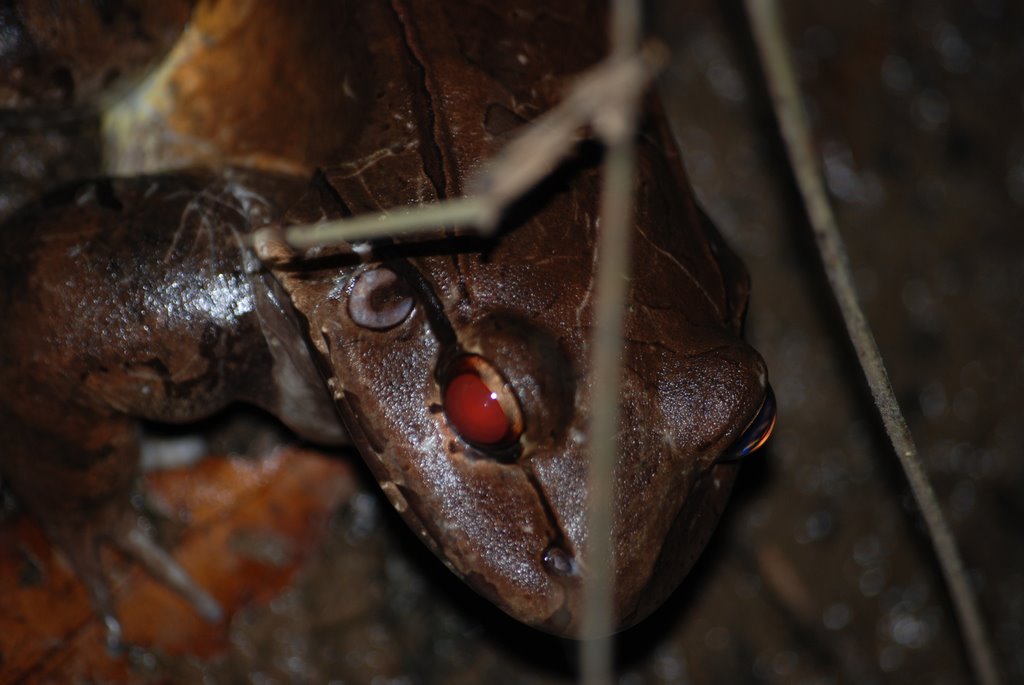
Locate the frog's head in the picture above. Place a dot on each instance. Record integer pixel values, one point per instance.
(461, 366)
(463, 379)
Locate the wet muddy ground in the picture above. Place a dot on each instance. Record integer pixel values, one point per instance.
(820, 572)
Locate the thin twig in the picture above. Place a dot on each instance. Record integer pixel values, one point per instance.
(524, 162)
(616, 126)
(778, 66)
(470, 211)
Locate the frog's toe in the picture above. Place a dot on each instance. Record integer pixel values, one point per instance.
(162, 566)
(83, 554)
(121, 530)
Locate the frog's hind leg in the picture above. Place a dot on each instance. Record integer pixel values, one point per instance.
(123, 300)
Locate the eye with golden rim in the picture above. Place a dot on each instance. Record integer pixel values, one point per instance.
(480, 405)
(756, 433)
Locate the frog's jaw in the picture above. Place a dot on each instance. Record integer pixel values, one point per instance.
(511, 522)
(669, 488)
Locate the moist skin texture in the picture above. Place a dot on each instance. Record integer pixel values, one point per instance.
(136, 298)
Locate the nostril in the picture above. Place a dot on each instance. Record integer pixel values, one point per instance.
(560, 562)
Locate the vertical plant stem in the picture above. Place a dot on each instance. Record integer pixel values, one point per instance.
(778, 67)
(625, 27)
(612, 283)
(597, 657)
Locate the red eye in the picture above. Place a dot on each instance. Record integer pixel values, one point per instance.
(479, 405)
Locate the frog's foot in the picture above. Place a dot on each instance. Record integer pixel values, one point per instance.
(83, 549)
(83, 554)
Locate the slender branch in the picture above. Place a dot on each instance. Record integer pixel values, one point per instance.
(612, 284)
(473, 211)
(778, 66)
(525, 161)
(617, 127)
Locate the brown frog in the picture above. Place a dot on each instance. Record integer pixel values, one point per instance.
(456, 365)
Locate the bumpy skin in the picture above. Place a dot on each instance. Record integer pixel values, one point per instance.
(134, 299)
(123, 300)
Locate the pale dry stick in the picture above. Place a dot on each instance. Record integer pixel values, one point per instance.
(596, 653)
(472, 211)
(524, 162)
(616, 126)
(780, 74)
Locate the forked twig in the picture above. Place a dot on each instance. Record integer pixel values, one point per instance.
(593, 100)
(780, 74)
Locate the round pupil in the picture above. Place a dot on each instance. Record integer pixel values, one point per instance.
(474, 411)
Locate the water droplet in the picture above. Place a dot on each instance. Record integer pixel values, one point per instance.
(867, 551)
(670, 667)
(785, 662)
(956, 52)
(871, 581)
(816, 527)
(890, 658)
(897, 74)
(836, 616)
(727, 82)
(931, 109)
(932, 398)
(717, 637)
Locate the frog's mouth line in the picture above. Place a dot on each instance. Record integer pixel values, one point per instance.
(565, 562)
(561, 566)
